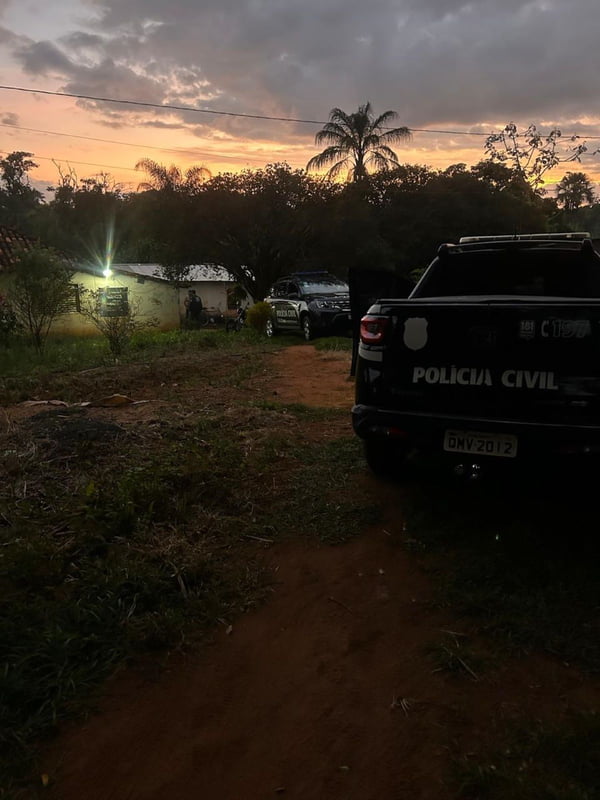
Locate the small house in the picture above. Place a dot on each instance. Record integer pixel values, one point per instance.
(213, 284)
(141, 288)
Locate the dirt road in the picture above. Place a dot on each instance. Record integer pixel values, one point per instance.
(326, 691)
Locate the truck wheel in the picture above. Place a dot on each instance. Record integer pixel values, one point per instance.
(269, 328)
(306, 328)
(385, 457)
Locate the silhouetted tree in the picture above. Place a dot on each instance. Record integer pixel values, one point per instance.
(171, 179)
(530, 153)
(84, 218)
(261, 223)
(18, 199)
(574, 191)
(357, 143)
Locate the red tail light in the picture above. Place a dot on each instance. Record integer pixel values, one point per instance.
(373, 328)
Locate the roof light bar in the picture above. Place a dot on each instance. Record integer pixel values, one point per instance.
(552, 237)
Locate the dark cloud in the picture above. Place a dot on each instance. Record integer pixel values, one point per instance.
(41, 58)
(82, 41)
(10, 39)
(433, 60)
(437, 62)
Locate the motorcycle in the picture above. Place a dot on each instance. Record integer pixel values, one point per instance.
(237, 323)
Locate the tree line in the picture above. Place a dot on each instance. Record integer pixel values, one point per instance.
(262, 223)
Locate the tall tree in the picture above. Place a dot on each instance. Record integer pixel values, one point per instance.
(574, 191)
(357, 143)
(171, 179)
(260, 224)
(168, 199)
(18, 199)
(83, 219)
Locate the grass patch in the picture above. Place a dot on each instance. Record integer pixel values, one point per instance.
(334, 512)
(336, 343)
(25, 374)
(520, 555)
(18, 358)
(301, 410)
(540, 762)
(516, 554)
(118, 539)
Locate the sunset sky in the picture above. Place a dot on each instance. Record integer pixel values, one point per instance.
(443, 65)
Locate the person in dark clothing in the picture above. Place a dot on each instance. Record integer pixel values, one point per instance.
(193, 306)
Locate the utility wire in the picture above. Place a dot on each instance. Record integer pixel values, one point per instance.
(179, 151)
(170, 107)
(165, 106)
(91, 138)
(81, 163)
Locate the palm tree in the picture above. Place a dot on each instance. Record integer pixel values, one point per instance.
(357, 143)
(574, 190)
(171, 179)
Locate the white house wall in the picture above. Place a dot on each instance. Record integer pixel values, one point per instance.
(152, 300)
(213, 294)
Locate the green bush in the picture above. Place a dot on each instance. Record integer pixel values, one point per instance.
(8, 320)
(258, 315)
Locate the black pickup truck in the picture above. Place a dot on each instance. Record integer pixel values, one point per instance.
(494, 355)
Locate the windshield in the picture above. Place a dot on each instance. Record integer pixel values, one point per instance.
(324, 286)
(540, 273)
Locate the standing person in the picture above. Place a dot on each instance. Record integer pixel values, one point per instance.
(193, 306)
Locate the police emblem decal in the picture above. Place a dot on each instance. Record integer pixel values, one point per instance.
(415, 333)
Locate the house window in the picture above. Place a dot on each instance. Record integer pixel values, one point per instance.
(72, 303)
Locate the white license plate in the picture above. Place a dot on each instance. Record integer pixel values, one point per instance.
(481, 444)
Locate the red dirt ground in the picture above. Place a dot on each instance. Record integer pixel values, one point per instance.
(324, 692)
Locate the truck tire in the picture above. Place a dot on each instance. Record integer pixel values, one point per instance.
(269, 328)
(384, 457)
(307, 328)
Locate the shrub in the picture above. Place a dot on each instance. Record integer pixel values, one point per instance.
(41, 292)
(8, 320)
(117, 328)
(258, 315)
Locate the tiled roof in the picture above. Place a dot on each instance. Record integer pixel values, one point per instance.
(11, 241)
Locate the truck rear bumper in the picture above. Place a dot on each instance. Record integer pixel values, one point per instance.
(427, 431)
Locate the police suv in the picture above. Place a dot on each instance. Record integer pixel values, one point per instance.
(310, 303)
(495, 355)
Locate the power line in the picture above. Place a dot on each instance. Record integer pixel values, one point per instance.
(171, 107)
(81, 163)
(165, 106)
(179, 151)
(54, 159)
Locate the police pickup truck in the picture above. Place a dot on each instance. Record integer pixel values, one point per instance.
(309, 303)
(494, 355)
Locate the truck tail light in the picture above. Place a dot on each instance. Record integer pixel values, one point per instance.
(373, 328)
